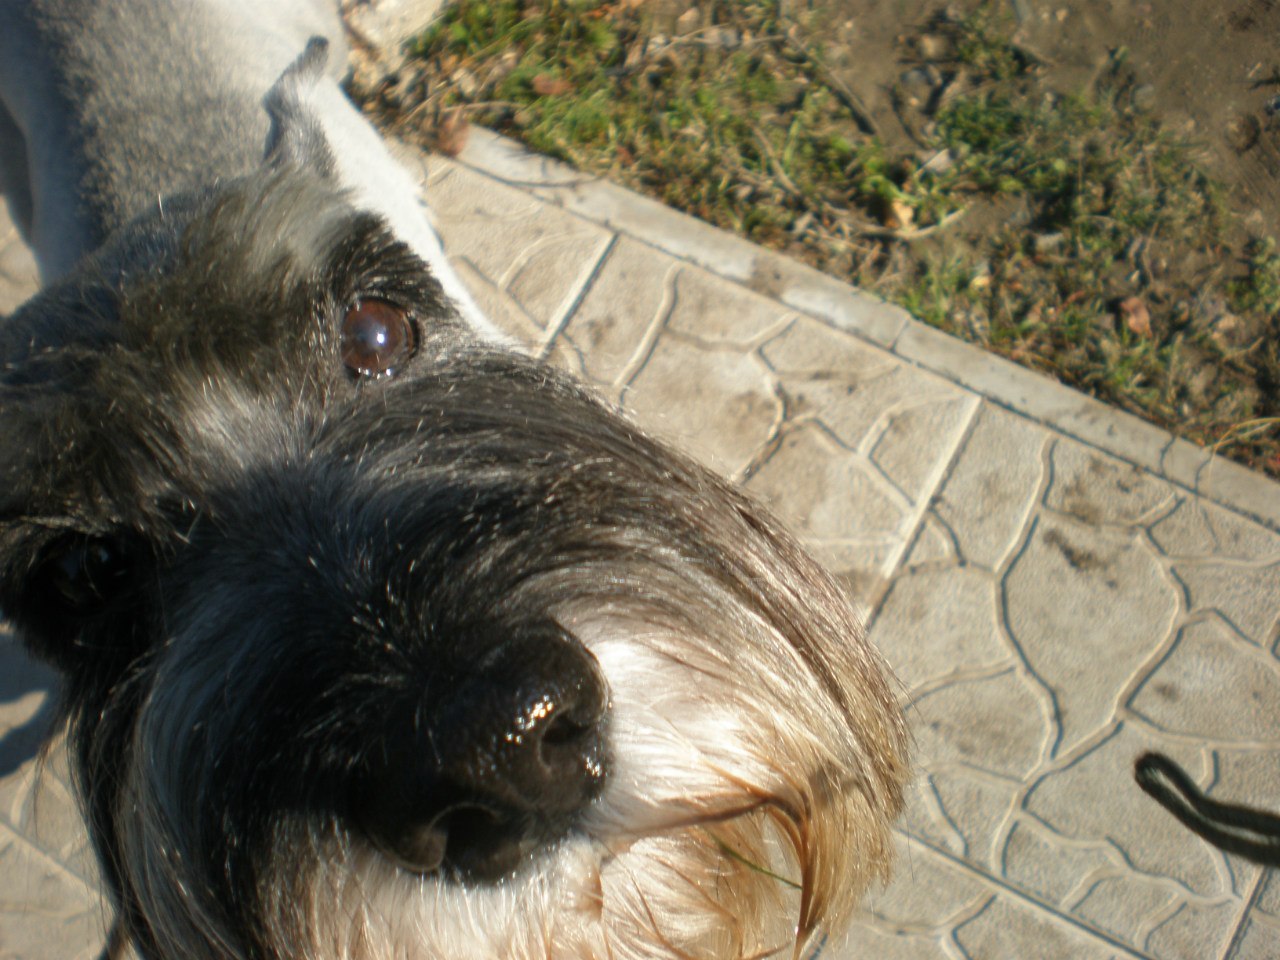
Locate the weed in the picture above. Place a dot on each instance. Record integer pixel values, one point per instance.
(1259, 289)
(983, 45)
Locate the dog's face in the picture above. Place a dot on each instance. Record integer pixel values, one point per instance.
(379, 642)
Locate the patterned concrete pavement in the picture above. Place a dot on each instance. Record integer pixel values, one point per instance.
(1057, 585)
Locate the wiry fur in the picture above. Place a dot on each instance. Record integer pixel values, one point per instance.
(306, 565)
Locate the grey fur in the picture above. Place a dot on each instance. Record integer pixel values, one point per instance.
(415, 652)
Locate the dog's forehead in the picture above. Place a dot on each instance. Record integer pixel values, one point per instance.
(260, 237)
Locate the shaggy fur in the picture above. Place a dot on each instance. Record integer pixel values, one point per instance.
(438, 658)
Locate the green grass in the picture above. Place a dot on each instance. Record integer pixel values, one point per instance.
(1080, 197)
(1259, 289)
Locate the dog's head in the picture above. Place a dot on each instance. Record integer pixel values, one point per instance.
(382, 642)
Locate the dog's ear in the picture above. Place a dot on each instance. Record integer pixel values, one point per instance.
(296, 138)
(51, 350)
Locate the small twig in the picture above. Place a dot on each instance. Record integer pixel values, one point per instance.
(699, 37)
(921, 233)
(476, 106)
(776, 165)
(1247, 430)
(652, 53)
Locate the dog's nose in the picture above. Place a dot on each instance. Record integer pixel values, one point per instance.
(499, 765)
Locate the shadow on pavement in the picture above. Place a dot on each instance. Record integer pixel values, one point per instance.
(23, 725)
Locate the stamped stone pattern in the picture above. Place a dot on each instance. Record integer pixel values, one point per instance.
(525, 264)
(1054, 586)
(1051, 570)
(611, 333)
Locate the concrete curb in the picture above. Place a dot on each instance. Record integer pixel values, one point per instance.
(850, 310)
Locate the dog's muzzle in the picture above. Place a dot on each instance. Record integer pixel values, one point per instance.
(494, 764)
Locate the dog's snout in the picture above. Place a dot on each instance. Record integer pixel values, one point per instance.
(499, 765)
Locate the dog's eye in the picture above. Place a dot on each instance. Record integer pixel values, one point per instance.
(87, 574)
(377, 339)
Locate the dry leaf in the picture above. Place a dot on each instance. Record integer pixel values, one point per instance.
(545, 85)
(899, 215)
(1135, 315)
(451, 133)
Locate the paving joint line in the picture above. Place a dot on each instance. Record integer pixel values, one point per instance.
(561, 323)
(1027, 898)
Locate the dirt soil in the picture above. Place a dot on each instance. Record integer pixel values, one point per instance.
(1208, 69)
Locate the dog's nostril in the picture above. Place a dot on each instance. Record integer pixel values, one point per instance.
(568, 743)
(561, 758)
(564, 731)
(497, 767)
(419, 848)
(469, 827)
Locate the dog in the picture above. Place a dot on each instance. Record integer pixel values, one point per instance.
(378, 638)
